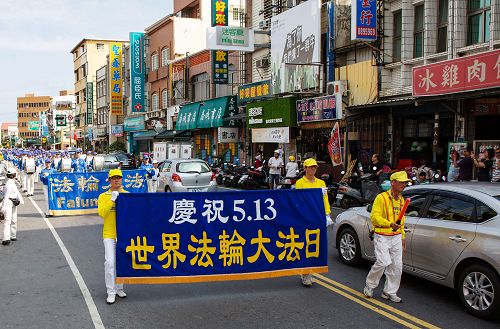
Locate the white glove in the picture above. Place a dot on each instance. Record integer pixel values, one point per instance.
(114, 195)
(329, 220)
(324, 190)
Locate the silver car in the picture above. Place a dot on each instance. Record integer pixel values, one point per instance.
(186, 175)
(452, 238)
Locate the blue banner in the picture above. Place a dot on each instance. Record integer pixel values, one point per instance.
(202, 236)
(137, 71)
(77, 193)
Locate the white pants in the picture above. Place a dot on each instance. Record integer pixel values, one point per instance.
(46, 195)
(30, 181)
(110, 266)
(23, 180)
(37, 173)
(10, 222)
(152, 186)
(389, 253)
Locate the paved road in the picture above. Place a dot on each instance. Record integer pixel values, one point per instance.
(38, 289)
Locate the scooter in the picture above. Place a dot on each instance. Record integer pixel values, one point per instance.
(349, 195)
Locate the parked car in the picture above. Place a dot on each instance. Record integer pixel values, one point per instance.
(453, 239)
(186, 175)
(110, 161)
(126, 159)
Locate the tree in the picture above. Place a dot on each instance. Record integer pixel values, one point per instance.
(117, 146)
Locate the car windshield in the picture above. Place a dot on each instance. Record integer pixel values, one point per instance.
(192, 167)
(497, 197)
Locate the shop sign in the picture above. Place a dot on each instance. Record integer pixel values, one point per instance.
(115, 78)
(158, 124)
(458, 75)
(33, 125)
(90, 134)
(364, 20)
(273, 113)
(44, 128)
(271, 135)
(254, 91)
(63, 105)
(316, 109)
(486, 109)
(220, 61)
(295, 47)
(134, 123)
(90, 102)
(230, 38)
(212, 111)
(117, 130)
(60, 120)
(137, 71)
(227, 135)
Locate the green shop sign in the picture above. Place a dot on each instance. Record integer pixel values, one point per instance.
(272, 113)
(206, 114)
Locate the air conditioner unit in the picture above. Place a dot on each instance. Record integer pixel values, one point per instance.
(265, 24)
(340, 87)
(262, 63)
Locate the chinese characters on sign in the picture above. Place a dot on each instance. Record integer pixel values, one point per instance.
(227, 135)
(90, 102)
(137, 71)
(364, 20)
(115, 78)
(220, 60)
(458, 75)
(254, 91)
(315, 109)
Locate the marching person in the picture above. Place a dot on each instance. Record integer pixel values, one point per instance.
(106, 209)
(44, 178)
(30, 171)
(56, 160)
(149, 168)
(388, 239)
(311, 181)
(155, 174)
(78, 164)
(275, 164)
(88, 161)
(12, 198)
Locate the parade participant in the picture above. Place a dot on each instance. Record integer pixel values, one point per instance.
(149, 168)
(388, 239)
(291, 167)
(65, 164)
(275, 164)
(88, 161)
(30, 170)
(155, 175)
(44, 178)
(39, 166)
(22, 172)
(56, 161)
(311, 181)
(78, 164)
(106, 209)
(12, 198)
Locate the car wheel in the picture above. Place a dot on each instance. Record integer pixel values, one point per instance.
(167, 189)
(479, 291)
(349, 247)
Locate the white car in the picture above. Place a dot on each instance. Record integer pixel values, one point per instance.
(186, 175)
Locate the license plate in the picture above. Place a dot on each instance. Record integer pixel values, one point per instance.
(195, 189)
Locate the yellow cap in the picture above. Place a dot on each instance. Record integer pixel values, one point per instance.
(310, 162)
(400, 176)
(291, 158)
(115, 172)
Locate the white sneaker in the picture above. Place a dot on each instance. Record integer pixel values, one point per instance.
(121, 293)
(307, 280)
(393, 298)
(368, 292)
(111, 299)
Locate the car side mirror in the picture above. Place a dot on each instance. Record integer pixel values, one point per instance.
(369, 207)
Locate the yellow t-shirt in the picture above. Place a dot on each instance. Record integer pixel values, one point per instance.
(318, 183)
(106, 209)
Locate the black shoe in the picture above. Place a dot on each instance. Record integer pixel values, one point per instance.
(6, 243)
(13, 239)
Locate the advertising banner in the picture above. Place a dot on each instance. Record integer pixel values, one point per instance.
(33, 125)
(44, 127)
(334, 146)
(77, 193)
(220, 60)
(137, 71)
(458, 75)
(90, 102)
(271, 135)
(316, 109)
(134, 123)
(199, 237)
(364, 20)
(295, 48)
(63, 105)
(115, 78)
(254, 91)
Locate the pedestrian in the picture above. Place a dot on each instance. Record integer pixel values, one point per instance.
(291, 167)
(275, 164)
(106, 209)
(484, 165)
(452, 170)
(376, 167)
(44, 178)
(155, 175)
(495, 170)
(311, 181)
(464, 165)
(388, 239)
(12, 198)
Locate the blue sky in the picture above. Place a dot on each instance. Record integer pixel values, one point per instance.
(37, 36)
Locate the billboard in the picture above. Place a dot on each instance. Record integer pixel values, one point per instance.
(115, 78)
(230, 38)
(137, 71)
(296, 48)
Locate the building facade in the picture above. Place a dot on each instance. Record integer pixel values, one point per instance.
(30, 109)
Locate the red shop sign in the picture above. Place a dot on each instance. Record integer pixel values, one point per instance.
(458, 75)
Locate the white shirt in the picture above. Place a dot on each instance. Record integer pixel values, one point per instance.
(10, 191)
(291, 169)
(274, 165)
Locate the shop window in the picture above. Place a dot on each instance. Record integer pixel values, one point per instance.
(478, 21)
(396, 39)
(442, 27)
(418, 34)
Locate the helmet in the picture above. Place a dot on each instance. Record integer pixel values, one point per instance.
(291, 158)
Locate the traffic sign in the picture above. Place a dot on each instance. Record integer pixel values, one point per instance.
(70, 117)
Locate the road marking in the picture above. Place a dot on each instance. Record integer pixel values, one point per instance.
(361, 299)
(94, 313)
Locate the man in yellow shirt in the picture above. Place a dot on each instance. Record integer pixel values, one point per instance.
(388, 239)
(106, 209)
(311, 181)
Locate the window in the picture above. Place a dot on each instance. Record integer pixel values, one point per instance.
(164, 99)
(100, 46)
(450, 208)
(236, 13)
(396, 39)
(417, 202)
(201, 87)
(192, 167)
(165, 56)
(483, 212)
(478, 21)
(178, 92)
(154, 102)
(418, 34)
(442, 26)
(154, 62)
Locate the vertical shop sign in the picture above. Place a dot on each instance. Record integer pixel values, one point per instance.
(334, 146)
(115, 78)
(220, 62)
(137, 71)
(330, 45)
(364, 20)
(90, 102)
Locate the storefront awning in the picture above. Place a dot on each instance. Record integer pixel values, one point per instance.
(213, 111)
(188, 114)
(141, 135)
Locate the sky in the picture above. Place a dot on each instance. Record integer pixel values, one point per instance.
(38, 35)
